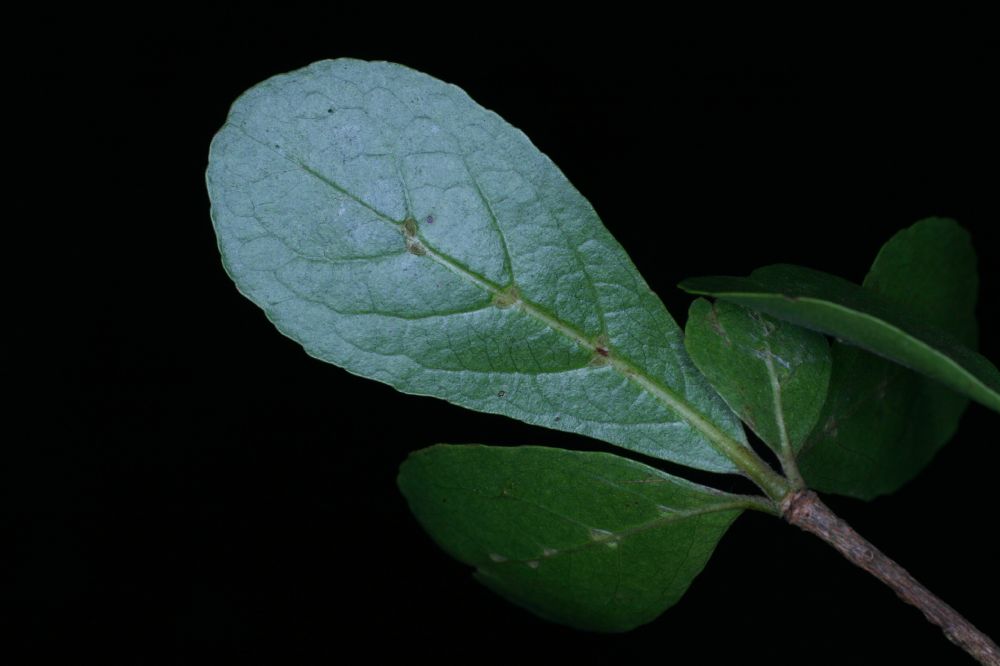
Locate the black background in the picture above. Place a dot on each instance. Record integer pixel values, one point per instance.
(213, 493)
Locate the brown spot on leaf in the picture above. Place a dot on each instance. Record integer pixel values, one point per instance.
(716, 325)
(410, 227)
(506, 298)
(598, 361)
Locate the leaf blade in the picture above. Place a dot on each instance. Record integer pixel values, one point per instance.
(774, 375)
(837, 307)
(395, 228)
(883, 423)
(591, 540)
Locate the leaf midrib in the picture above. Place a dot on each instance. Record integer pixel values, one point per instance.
(617, 536)
(667, 516)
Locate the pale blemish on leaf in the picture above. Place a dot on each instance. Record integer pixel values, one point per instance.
(415, 247)
(830, 427)
(601, 535)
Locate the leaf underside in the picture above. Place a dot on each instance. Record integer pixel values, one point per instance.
(394, 227)
(590, 540)
(773, 374)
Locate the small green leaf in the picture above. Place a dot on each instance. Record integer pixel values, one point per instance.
(396, 228)
(773, 374)
(883, 423)
(590, 540)
(862, 317)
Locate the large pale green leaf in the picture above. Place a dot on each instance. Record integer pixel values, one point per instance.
(591, 540)
(883, 423)
(772, 373)
(862, 317)
(394, 227)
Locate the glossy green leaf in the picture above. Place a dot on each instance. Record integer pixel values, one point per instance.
(394, 227)
(862, 317)
(773, 374)
(590, 540)
(883, 423)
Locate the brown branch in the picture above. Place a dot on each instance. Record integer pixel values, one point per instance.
(805, 510)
